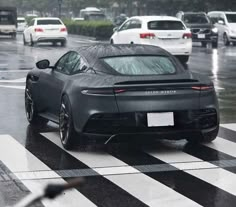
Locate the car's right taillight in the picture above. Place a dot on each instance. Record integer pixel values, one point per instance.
(187, 35)
(147, 35)
(38, 30)
(63, 29)
(203, 88)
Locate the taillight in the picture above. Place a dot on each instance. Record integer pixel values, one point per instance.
(38, 30)
(63, 29)
(147, 35)
(187, 35)
(202, 88)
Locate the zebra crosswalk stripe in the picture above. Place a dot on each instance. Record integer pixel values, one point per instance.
(136, 184)
(17, 158)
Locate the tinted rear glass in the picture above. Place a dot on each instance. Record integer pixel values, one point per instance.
(231, 18)
(6, 18)
(196, 19)
(20, 21)
(48, 21)
(141, 65)
(165, 25)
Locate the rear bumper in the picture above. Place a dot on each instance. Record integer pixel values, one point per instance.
(186, 124)
(51, 39)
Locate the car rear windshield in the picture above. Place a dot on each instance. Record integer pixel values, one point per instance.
(165, 25)
(48, 21)
(231, 18)
(141, 65)
(6, 18)
(20, 21)
(196, 19)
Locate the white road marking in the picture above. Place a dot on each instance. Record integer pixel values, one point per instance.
(15, 87)
(146, 189)
(17, 158)
(19, 80)
(231, 126)
(14, 71)
(215, 176)
(224, 146)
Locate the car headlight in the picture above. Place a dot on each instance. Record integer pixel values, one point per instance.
(215, 30)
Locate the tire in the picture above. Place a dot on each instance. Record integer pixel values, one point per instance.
(30, 109)
(63, 43)
(13, 36)
(66, 125)
(234, 43)
(111, 41)
(204, 44)
(215, 44)
(31, 41)
(183, 58)
(24, 40)
(226, 40)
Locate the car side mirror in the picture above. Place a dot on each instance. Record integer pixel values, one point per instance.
(221, 22)
(43, 64)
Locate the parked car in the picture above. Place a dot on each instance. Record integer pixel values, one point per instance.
(21, 24)
(169, 33)
(106, 90)
(45, 29)
(225, 22)
(202, 28)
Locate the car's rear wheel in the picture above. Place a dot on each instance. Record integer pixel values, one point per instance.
(24, 40)
(214, 44)
(204, 44)
(112, 41)
(226, 40)
(183, 58)
(63, 43)
(66, 125)
(31, 41)
(30, 109)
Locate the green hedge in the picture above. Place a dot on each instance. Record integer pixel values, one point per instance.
(97, 29)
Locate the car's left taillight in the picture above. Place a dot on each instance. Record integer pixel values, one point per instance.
(63, 29)
(38, 30)
(187, 35)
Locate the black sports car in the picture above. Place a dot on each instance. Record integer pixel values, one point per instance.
(111, 90)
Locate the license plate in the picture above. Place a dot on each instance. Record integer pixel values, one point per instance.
(201, 36)
(160, 119)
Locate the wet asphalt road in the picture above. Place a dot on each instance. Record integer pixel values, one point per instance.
(16, 60)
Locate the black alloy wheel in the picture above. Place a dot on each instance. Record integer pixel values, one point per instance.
(66, 126)
(30, 109)
(226, 40)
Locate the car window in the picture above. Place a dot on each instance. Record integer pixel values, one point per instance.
(80, 65)
(166, 25)
(141, 65)
(135, 24)
(49, 21)
(231, 18)
(31, 22)
(125, 26)
(20, 21)
(214, 18)
(196, 19)
(67, 63)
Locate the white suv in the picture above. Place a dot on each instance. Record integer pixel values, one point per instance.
(21, 24)
(45, 30)
(225, 22)
(169, 33)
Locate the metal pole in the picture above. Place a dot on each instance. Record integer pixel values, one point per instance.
(59, 5)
